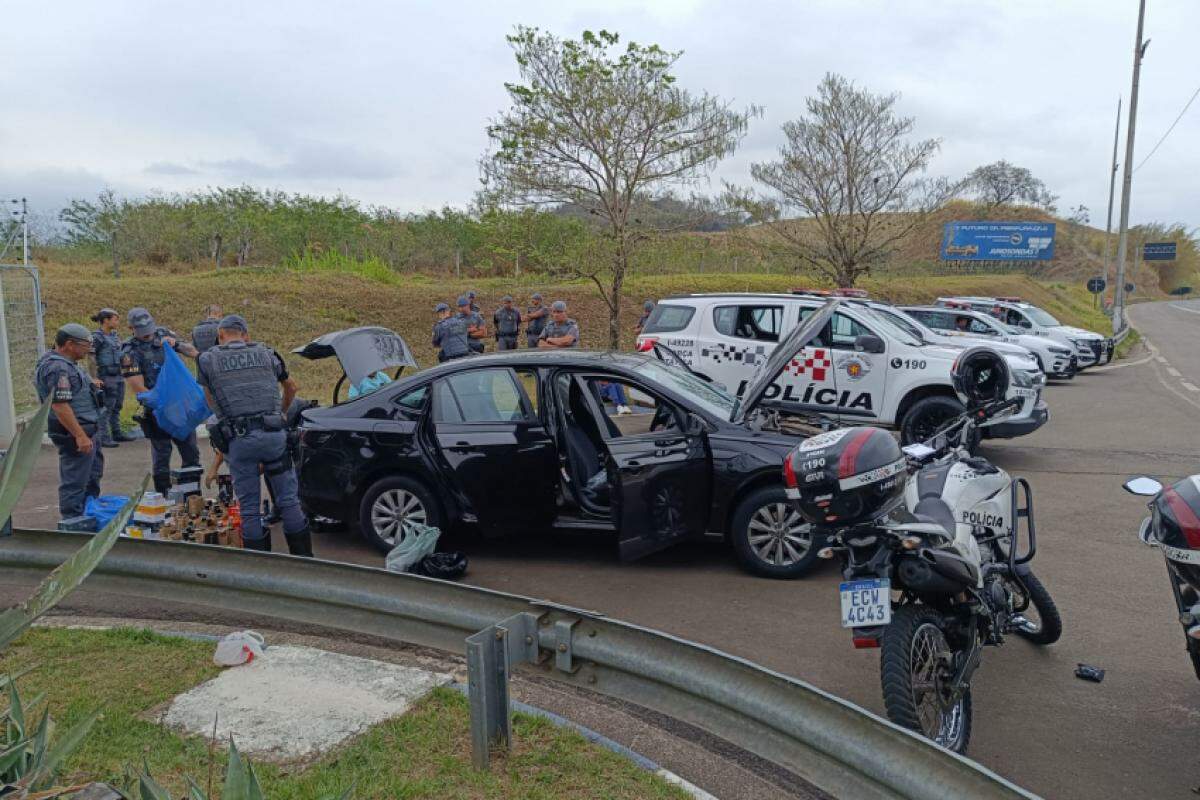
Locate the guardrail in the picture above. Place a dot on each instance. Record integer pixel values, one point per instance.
(830, 742)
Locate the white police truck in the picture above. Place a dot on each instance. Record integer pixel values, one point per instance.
(1089, 348)
(1055, 359)
(862, 368)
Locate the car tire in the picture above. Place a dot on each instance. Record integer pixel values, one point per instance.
(790, 547)
(391, 501)
(925, 416)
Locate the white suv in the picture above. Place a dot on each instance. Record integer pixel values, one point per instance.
(861, 368)
(1090, 348)
(1055, 359)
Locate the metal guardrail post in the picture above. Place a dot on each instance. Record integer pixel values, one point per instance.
(491, 655)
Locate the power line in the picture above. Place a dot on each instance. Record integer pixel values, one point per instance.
(1195, 94)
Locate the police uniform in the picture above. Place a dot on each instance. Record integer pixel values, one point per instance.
(106, 348)
(243, 379)
(567, 328)
(146, 358)
(508, 326)
(64, 381)
(535, 324)
(474, 320)
(204, 335)
(450, 337)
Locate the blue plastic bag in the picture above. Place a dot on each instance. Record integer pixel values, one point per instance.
(104, 508)
(177, 400)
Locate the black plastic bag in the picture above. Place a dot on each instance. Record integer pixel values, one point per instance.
(447, 566)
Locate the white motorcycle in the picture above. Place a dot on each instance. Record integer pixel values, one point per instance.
(928, 539)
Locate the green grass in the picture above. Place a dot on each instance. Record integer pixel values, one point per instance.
(423, 754)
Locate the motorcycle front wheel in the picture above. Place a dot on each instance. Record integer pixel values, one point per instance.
(1040, 623)
(916, 670)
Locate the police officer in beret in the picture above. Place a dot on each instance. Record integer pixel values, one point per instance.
(204, 335)
(476, 327)
(561, 331)
(508, 324)
(106, 352)
(536, 317)
(142, 358)
(76, 413)
(450, 334)
(242, 380)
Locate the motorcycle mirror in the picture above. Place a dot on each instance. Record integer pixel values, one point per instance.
(1146, 533)
(1143, 485)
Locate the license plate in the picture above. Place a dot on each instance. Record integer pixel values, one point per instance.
(1023, 392)
(866, 603)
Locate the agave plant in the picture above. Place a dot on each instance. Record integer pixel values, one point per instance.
(32, 753)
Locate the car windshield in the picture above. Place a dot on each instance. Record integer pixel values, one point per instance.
(901, 322)
(1041, 318)
(709, 397)
(913, 339)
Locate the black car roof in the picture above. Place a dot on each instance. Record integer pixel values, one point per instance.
(542, 358)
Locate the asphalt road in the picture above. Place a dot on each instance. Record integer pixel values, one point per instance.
(1132, 736)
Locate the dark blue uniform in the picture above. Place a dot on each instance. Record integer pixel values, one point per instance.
(537, 317)
(146, 359)
(79, 474)
(450, 337)
(508, 325)
(106, 349)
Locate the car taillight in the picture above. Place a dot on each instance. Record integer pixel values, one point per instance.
(646, 344)
(789, 473)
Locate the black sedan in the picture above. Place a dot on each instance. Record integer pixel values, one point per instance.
(560, 440)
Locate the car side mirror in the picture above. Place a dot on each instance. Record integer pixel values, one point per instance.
(1143, 485)
(869, 343)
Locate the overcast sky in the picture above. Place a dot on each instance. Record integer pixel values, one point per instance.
(387, 101)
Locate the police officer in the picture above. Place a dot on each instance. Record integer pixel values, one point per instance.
(76, 412)
(560, 331)
(471, 301)
(242, 380)
(476, 327)
(142, 358)
(508, 324)
(450, 334)
(536, 317)
(204, 335)
(106, 351)
(647, 307)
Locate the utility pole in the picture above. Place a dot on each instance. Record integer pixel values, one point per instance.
(24, 233)
(1139, 51)
(1112, 185)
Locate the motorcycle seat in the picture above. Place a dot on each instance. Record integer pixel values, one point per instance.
(936, 510)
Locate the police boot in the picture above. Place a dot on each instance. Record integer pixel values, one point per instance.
(162, 484)
(262, 545)
(300, 543)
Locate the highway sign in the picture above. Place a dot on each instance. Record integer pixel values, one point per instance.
(1096, 285)
(1158, 251)
(1129, 288)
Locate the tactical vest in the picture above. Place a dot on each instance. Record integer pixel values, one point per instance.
(84, 402)
(242, 379)
(453, 339)
(150, 355)
(536, 324)
(204, 335)
(108, 354)
(506, 322)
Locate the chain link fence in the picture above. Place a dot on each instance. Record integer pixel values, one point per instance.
(21, 290)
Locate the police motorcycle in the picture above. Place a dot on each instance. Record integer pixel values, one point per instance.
(928, 542)
(1174, 528)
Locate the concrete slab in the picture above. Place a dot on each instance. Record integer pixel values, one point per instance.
(296, 703)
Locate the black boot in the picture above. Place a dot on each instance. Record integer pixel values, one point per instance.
(162, 484)
(262, 545)
(300, 543)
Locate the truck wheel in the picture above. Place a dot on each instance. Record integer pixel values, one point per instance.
(769, 536)
(926, 416)
(390, 505)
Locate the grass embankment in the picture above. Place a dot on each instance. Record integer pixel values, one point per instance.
(423, 754)
(287, 308)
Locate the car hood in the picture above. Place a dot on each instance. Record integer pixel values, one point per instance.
(1078, 333)
(994, 342)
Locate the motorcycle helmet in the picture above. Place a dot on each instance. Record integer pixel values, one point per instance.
(845, 477)
(1177, 525)
(979, 377)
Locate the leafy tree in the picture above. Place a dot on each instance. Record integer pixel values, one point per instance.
(596, 126)
(848, 169)
(1003, 183)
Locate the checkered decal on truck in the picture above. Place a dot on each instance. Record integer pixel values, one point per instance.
(732, 353)
(815, 363)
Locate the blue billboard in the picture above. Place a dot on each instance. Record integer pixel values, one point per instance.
(1158, 251)
(998, 241)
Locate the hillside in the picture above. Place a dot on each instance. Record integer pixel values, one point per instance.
(287, 309)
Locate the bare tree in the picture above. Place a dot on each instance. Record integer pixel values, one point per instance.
(599, 128)
(850, 172)
(1003, 183)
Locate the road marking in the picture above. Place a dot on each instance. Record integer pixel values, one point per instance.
(1160, 359)
(1185, 308)
(1174, 373)
(1190, 387)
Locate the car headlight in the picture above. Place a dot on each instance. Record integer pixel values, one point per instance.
(1022, 379)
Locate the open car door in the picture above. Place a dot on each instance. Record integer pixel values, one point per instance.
(659, 468)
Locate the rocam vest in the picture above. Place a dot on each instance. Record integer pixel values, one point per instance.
(242, 379)
(107, 350)
(452, 337)
(204, 335)
(83, 402)
(507, 321)
(150, 355)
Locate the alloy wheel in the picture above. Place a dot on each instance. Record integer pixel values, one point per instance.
(393, 514)
(779, 535)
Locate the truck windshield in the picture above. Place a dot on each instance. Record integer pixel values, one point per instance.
(1042, 318)
(903, 323)
(893, 329)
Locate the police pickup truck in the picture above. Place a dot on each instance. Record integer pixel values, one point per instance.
(1089, 348)
(862, 368)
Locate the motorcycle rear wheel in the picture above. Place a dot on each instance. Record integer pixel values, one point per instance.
(914, 678)
(1046, 628)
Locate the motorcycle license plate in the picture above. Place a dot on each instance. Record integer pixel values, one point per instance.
(866, 603)
(1023, 392)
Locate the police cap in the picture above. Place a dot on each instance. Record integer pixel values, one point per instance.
(648, 305)
(233, 322)
(141, 321)
(536, 295)
(559, 305)
(73, 331)
(440, 307)
(463, 301)
(506, 299)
